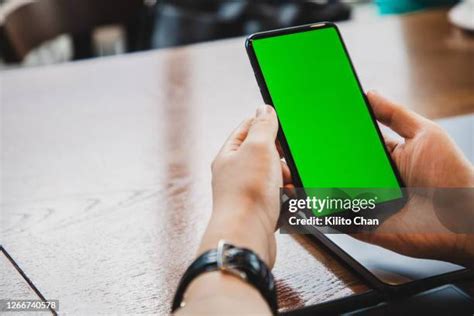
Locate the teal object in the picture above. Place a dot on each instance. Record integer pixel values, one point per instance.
(404, 6)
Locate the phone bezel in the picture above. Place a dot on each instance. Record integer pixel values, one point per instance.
(391, 206)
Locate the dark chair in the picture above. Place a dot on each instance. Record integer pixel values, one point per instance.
(33, 23)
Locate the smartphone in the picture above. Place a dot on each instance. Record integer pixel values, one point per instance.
(330, 139)
(327, 130)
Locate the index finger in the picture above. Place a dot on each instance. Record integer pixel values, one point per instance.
(396, 117)
(264, 127)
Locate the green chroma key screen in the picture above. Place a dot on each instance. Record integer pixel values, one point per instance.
(322, 112)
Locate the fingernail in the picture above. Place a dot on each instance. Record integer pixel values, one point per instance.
(263, 109)
(372, 92)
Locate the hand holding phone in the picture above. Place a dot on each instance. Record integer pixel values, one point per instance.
(427, 158)
(330, 139)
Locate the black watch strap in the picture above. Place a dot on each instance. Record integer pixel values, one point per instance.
(241, 262)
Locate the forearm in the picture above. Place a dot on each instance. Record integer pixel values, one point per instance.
(220, 293)
(242, 228)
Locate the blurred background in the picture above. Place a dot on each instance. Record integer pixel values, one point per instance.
(42, 32)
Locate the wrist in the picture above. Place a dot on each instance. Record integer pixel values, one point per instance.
(242, 227)
(226, 271)
(247, 211)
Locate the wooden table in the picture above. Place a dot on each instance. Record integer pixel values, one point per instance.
(106, 163)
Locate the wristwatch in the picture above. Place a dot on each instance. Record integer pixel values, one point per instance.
(240, 262)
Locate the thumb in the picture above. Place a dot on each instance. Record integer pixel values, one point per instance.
(264, 127)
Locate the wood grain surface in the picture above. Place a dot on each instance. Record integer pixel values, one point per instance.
(13, 286)
(106, 163)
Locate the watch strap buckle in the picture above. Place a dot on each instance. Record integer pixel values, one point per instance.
(223, 264)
